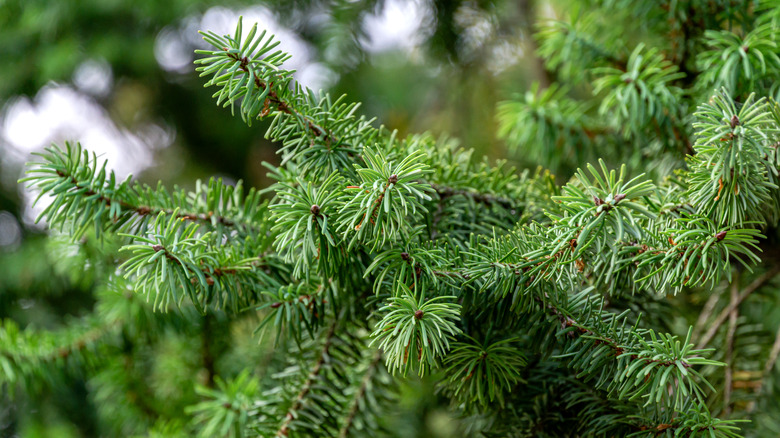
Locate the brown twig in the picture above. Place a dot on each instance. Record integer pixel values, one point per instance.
(567, 322)
(143, 210)
(208, 273)
(281, 105)
(705, 314)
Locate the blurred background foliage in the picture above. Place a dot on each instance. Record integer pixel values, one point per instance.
(117, 75)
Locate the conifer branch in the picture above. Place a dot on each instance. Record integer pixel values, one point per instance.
(774, 354)
(81, 186)
(445, 192)
(143, 210)
(300, 399)
(729, 359)
(757, 284)
(473, 266)
(273, 98)
(359, 396)
(25, 353)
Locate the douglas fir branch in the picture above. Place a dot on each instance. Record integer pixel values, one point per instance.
(533, 306)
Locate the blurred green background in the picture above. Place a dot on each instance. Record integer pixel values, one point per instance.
(117, 75)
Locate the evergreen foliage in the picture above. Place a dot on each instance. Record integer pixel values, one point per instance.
(537, 308)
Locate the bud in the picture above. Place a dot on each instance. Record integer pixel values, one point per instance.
(720, 236)
(734, 121)
(597, 200)
(393, 179)
(419, 314)
(405, 256)
(619, 197)
(315, 210)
